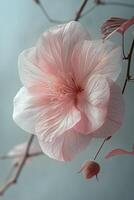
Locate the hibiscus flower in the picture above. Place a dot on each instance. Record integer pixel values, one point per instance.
(69, 94)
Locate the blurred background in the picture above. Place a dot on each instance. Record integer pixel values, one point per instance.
(22, 22)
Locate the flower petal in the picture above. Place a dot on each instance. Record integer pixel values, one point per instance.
(93, 102)
(55, 46)
(56, 118)
(26, 110)
(115, 114)
(96, 57)
(66, 146)
(84, 125)
(39, 115)
(116, 152)
(51, 56)
(29, 71)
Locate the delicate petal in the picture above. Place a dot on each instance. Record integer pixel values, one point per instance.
(115, 114)
(93, 102)
(55, 47)
(28, 70)
(52, 54)
(50, 117)
(116, 152)
(96, 57)
(97, 91)
(84, 125)
(55, 119)
(26, 110)
(66, 146)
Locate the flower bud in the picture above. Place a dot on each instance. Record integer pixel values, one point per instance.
(90, 169)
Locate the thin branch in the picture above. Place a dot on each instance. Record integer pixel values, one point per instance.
(128, 77)
(14, 179)
(98, 151)
(42, 7)
(80, 10)
(34, 154)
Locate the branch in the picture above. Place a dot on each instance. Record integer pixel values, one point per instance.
(98, 151)
(79, 12)
(39, 3)
(128, 77)
(5, 157)
(14, 179)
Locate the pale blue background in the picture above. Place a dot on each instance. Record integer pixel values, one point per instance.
(21, 23)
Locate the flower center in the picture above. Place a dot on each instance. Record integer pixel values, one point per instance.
(65, 87)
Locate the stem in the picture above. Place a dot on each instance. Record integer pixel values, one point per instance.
(102, 144)
(79, 12)
(47, 15)
(4, 157)
(14, 179)
(128, 67)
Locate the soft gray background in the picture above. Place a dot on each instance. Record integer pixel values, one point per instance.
(21, 23)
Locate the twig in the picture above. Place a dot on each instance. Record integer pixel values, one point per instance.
(5, 157)
(79, 12)
(128, 77)
(14, 179)
(98, 151)
(39, 3)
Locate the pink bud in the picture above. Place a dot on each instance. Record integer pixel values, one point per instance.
(90, 169)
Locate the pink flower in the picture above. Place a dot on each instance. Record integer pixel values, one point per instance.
(69, 94)
(116, 24)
